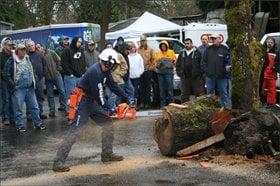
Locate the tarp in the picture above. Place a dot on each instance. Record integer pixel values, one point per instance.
(147, 23)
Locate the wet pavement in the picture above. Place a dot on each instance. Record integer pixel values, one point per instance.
(26, 159)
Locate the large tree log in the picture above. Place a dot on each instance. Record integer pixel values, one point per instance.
(182, 127)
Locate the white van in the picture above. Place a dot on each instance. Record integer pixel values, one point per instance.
(196, 30)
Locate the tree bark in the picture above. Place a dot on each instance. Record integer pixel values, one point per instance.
(180, 128)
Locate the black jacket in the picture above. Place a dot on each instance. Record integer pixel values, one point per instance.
(189, 66)
(73, 60)
(3, 60)
(39, 64)
(214, 61)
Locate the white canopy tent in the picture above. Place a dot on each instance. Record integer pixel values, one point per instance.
(147, 23)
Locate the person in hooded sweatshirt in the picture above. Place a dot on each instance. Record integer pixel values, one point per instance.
(165, 61)
(122, 48)
(73, 64)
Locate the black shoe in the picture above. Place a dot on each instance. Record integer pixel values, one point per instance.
(61, 109)
(6, 122)
(59, 167)
(41, 127)
(21, 130)
(42, 116)
(52, 114)
(111, 157)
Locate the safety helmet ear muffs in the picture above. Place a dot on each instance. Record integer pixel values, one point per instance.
(109, 57)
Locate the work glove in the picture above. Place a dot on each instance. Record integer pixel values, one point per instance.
(131, 103)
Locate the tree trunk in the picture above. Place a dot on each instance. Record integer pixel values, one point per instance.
(245, 54)
(105, 20)
(180, 128)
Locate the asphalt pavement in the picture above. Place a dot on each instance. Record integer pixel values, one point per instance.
(26, 159)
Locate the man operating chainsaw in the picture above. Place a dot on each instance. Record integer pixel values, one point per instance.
(88, 100)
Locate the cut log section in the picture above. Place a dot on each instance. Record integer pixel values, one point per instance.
(201, 145)
(180, 128)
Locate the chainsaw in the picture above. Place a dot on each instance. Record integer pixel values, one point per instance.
(124, 111)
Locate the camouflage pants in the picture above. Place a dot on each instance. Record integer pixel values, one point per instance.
(87, 108)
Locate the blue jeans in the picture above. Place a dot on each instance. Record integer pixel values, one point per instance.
(165, 82)
(87, 108)
(222, 84)
(26, 95)
(129, 89)
(39, 92)
(111, 100)
(7, 105)
(1, 102)
(58, 83)
(70, 83)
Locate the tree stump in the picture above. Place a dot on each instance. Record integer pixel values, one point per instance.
(252, 132)
(182, 127)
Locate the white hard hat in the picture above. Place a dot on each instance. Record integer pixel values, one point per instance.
(109, 55)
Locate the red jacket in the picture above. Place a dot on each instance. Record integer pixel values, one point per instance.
(270, 71)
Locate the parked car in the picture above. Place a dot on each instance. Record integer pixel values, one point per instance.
(153, 42)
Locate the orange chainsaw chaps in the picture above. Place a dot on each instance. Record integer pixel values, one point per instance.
(75, 98)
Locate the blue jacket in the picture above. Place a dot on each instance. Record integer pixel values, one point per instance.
(39, 65)
(21, 80)
(93, 81)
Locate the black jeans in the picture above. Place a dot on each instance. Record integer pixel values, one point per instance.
(189, 86)
(145, 87)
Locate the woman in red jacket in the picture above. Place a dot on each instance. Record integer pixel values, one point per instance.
(269, 72)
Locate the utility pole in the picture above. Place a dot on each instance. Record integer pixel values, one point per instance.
(260, 5)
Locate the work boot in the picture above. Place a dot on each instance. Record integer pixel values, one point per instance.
(52, 114)
(60, 167)
(61, 109)
(41, 127)
(42, 116)
(110, 157)
(6, 122)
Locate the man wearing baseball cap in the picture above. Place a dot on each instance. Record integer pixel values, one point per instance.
(215, 70)
(93, 104)
(6, 97)
(18, 72)
(91, 55)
